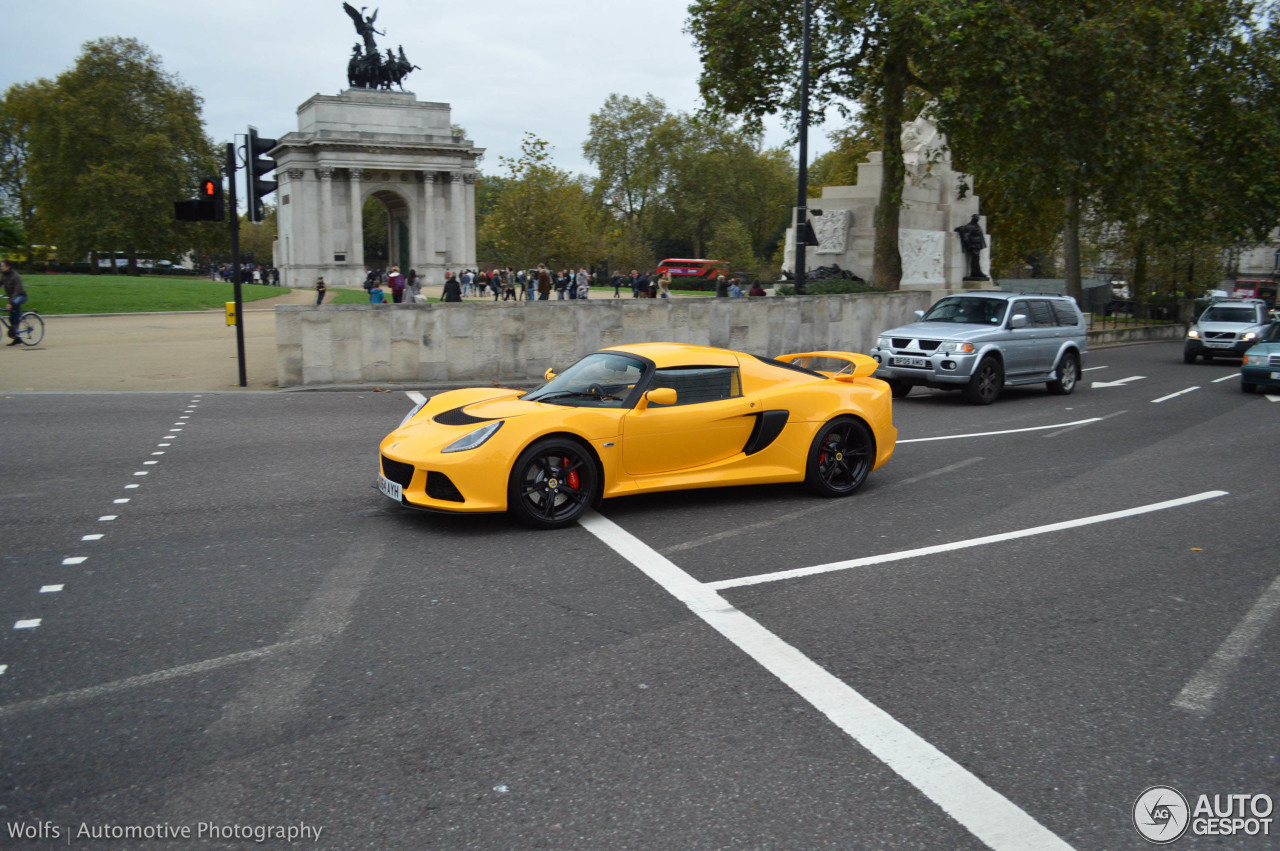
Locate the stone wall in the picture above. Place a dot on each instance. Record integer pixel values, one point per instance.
(510, 341)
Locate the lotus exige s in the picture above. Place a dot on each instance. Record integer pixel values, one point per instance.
(642, 418)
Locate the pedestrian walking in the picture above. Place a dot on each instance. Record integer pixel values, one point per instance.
(320, 289)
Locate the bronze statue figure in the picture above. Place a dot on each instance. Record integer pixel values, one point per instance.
(973, 241)
(368, 69)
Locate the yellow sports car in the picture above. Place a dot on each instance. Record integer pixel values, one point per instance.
(643, 418)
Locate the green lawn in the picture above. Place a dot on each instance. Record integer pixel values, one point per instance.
(55, 294)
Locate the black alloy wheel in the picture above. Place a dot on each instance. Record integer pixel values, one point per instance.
(552, 483)
(840, 458)
(1067, 376)
(987, 382)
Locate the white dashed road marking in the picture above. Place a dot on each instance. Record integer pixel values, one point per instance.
(981, 810)
(1173, 395)
(51, 589)
(29, 624)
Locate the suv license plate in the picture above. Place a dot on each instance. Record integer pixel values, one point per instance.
(918, 362)
(1218, 345)
(388, 487)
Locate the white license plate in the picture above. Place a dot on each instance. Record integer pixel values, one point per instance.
(388, 487)
(922, 362)
(1218, 345)
(1275, 376)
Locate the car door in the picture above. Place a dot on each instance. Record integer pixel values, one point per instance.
(710, 421)
(1020, 344)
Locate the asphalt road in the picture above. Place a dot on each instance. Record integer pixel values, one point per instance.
(1053, 604)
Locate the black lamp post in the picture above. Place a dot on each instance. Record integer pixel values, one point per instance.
(802, 189)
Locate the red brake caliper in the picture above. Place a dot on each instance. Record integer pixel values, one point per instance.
(572, 478)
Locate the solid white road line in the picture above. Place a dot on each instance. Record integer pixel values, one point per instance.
(1173, 395)
(961, 545)
(415, 397)
(1007, 431)
(1198, 695)
(83, 695)
(981, 810)
(792, 516)
(1226, 378)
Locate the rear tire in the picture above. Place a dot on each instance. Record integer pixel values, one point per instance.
(840, 457)
(1068, 374)
(552, 483)
(987, 382)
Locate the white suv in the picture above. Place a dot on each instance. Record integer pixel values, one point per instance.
(1228, 328)
(980, 342)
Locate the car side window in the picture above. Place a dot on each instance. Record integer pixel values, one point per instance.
(1041, 313)
(1066, 313)
(696, 384)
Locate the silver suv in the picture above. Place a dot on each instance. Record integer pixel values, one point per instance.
(980, 342)
(1229, 327)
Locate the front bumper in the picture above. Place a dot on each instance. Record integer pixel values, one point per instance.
(1261, 376)
(935, 369)
(472, 482)
(1226, 348)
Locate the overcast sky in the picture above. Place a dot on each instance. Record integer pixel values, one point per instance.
(504, 66)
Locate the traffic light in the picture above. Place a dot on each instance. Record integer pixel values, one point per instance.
(258, 164)
(207, 207)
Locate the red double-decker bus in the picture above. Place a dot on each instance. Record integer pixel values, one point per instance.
(1263, 289)
(706, 270)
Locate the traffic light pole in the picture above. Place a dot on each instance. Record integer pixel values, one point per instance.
(234, 223)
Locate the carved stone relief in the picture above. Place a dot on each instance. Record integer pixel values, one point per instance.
(922, 255)
(832, 230)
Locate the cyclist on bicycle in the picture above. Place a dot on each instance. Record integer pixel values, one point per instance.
(17, 295)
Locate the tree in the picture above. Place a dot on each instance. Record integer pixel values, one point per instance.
(541, 215)
(117, 141)
(860, 49)
(18, 112)
(623, 143)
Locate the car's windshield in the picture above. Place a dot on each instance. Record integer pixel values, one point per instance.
(1271, 334)
(600, 380)
(967, 310)
(1230, 314)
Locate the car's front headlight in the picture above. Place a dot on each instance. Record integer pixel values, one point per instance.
(956, 348)
(1249, 335)
(473, 439)
(1193, 334)
(1256, 360)
(883, 343)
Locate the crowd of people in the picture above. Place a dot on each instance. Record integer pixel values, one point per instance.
(536, 284)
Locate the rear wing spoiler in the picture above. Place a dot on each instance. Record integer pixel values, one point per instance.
(842, 366)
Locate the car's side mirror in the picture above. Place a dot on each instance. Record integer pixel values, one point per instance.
(919, 314)
(1019, 320)
(657, 396)
(549, 374)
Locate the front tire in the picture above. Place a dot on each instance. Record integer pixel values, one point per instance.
(897, 387)
(31, 329)
(1248, 387)
(840, 457)
(1068, 375)
(987, 382)
(552, 483)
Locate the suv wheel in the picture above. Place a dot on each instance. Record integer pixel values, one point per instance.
(1188, 356)
(1068, 374)
(898, 387)
(986, 383)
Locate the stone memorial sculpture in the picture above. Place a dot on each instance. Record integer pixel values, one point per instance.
(367, 68)
(973, 241)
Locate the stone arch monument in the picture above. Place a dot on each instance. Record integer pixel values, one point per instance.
(369, 143)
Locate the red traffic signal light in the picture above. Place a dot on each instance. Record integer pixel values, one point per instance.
(210, 188)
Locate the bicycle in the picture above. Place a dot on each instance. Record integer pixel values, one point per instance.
(30, 327)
